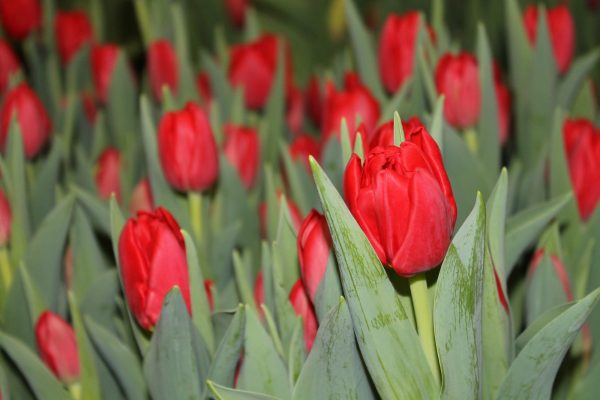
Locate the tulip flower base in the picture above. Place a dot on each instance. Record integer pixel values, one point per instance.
(199, 200)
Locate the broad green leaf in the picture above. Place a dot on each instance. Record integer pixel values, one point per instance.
(99, 300)
(301, 187)
(544, 290)
(187, 83)
(242, 280)
(519, 50)
(222, 369)
(345, 141)
(274, 113)
(35, 302)
(225, 393)
(219, 84)
(576, 76)
(329, 290)
(388, 341)
(296, 353)
(121, 104)
(436, 127)
(534, 327)
(41, 191)
(96, 209)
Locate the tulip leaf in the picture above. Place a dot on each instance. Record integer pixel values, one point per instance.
(227, 356)
(544, 290)
(334, 369)
(96, 209)
(329, 289)
(121, 105)
(99, 300)
(187, 85)
(345, 141)
(538, 324)
(297, 350)
(243, 283)
(436, 126)
(576, 76)
(35, 302)
(301, 186)
(387, 338)
(225, 393)
(533, 371)
(219, 85)
(519, 50)
(274, 112)
(396, 102)
(41, 381)
(41, 191)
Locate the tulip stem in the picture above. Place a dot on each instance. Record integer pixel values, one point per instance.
(5, 268)
(75, 390)
(195, 202)
(424, 318)
(471, 139)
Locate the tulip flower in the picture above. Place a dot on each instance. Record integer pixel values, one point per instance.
(153, 260)
(203, 86)
(34, 122)
(187, 149)
(104, 60)
(57, 345)
(295, 110)
(108, 174)
(242, 149)
(402, 199)
(9, 65)
(236, 11)
(314, 249)
(141, 198)
(302, 147)
(314, 98)
(582, 147)
(5, 220)
(89, 107)
(73, 30)
(163, 67)
(20, 17)
(397, 44)
(562, 32)
(503, 100)
(304, 308)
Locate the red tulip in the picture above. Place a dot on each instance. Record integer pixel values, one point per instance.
(141, 198)
(397, 44)
(562, 32)
(315, 97)
(582, 147)
(253, 65)
(108, 174)
(352, 102)
(294, 212)
(304, 146)
(73, 30)
(153, 260)
(208, 288)
(314, 248)
(20, 17)
(32, 117)
(187, 149)
(503, 100)
(295, 110)
(9, 64)
(236, 10)
(5, 220)
(559, 268)
(104, 60)
(304, 308)
(89, 107)
(403, 201)
(203, 86)
(457, 77)
(242, 149)
(259, 294)
(163, 67)
(57, 345)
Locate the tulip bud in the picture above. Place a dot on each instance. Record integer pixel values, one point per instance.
(294, 213)
(406, 185)
(582, 148)
(242, 149)
(397, 44)
(57, 345)
(314, 248)
(108, 174)
(104, 60)
(304, 146)
(32, 117)
(457, 78)
(73, 30)
(141, 198)
(163, 68)
(314, 100)
(5, 220)
(562, 32)
(203, 86)
(20, 17)
(503, 100)
(208, 288)
(304, 308)
(9, 65)
(187, 149)
(295, 110)
(153, 260)
(236, 10)
(89, 107)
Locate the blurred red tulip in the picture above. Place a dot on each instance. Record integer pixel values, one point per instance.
(314, 249)
(302, 147)
(20, 17)
(57, 345)
(104, 60)
(163, 67)
(236, 10)
(141, 197)
(73, 30)
(5, 220)
(304, 308)
(242, 149)
(108, 174)
(9, 65)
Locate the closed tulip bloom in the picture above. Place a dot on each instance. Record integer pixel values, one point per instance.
(163, 67)
(314, 248)
(187, 149)
(108, 174)
(20, 17)
(73, 30)
(141, 197)
(504, 101)
(294, 116)
(153, 260)
(403, 201)
(582, 147)
(57, 346)
(304, 308)
(457, 77)
(314, 98)
(236, 11)
(397, 44)
(89, 107)
(242, 149)
(5, 220)
(32, 117)
(9, 64)
(562, 32)
(302, 147)
(203, 86)
(104, 60)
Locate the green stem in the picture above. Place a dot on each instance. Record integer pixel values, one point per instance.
(196, 215)
(5, 268)
(424, 318)
(75, 390)
(471, 139)
(143, 17)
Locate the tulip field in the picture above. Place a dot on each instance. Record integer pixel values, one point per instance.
(299, 199)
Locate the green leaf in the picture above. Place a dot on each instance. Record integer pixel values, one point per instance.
(436, 127)
(96, 209)
(534, 327)
(519, 50)
(121, 106)
(388, 341)
(42, 200)
(396, 102)
(219, 84)
(222, 369)
(544, 290)
(274, 113)
(35, 302)
(575, 78)
(225, 393)
(187, 83)
(532, 373)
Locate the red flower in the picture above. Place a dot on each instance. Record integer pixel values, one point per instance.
(104, 59)
(57, 345)
(503, 100)
(108, 174)
(314, 248)
(20, 17)
(208, 288)
(236, 11)
(242, 149)
(253, 65)
(89, 107)
(457, 77)
(582, 147)
(403, 201)
(203, 86)
(153, 260)
(187, 149)
(304, 308)
(304, 146)
(73, 30)
(32, 117)
(141, 198)
(163, 67)
(5, 220)
(397, 44)
(9, 64)
(562, 32)
(259, 294)
(315, 98)
(295, 110)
